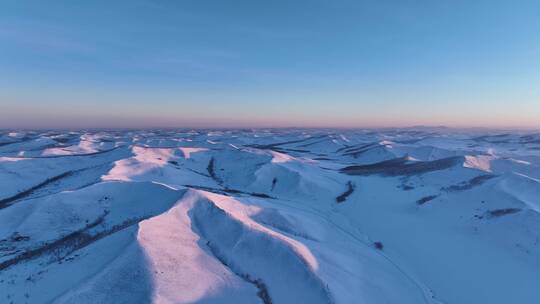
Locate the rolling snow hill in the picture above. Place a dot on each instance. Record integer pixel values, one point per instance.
(270, 216)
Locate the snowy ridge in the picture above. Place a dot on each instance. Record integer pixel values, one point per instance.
(241, 244)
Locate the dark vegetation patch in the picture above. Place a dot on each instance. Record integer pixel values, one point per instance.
(406, 187)
(295, 150)
(226, 191)
(197, 172)
(530, 136)
(501, 212)
(55, 246)
(467, 185)
(262, 290)
(209, 189)
(6, 202)
(55, 184)
(275, 146)
(530, 139)
(16, 141)
(315, 142)
(499, 141)
(343, 148)
(426, 199)
(212, 172)
(356, 152)
(146, 146)
(261, 195)
(401, 166)
(284, 228)
(106, 140)
(350, 189)
(352, 149)
(9, 246)
(494, 139)
(61, 248)
(64, 140)
(6, 143)
(409, 141)
(287, 151)
(15, 237)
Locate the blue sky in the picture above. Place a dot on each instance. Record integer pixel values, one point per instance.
(269, 63)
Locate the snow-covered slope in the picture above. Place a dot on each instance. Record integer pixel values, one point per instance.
(270, 216)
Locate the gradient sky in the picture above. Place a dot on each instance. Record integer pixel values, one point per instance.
(269, 63)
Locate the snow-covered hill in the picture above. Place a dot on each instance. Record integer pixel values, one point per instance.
(270, 216)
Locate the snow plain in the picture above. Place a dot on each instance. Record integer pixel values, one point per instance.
(417, 215)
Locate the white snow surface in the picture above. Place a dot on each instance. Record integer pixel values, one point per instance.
(416, 215)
